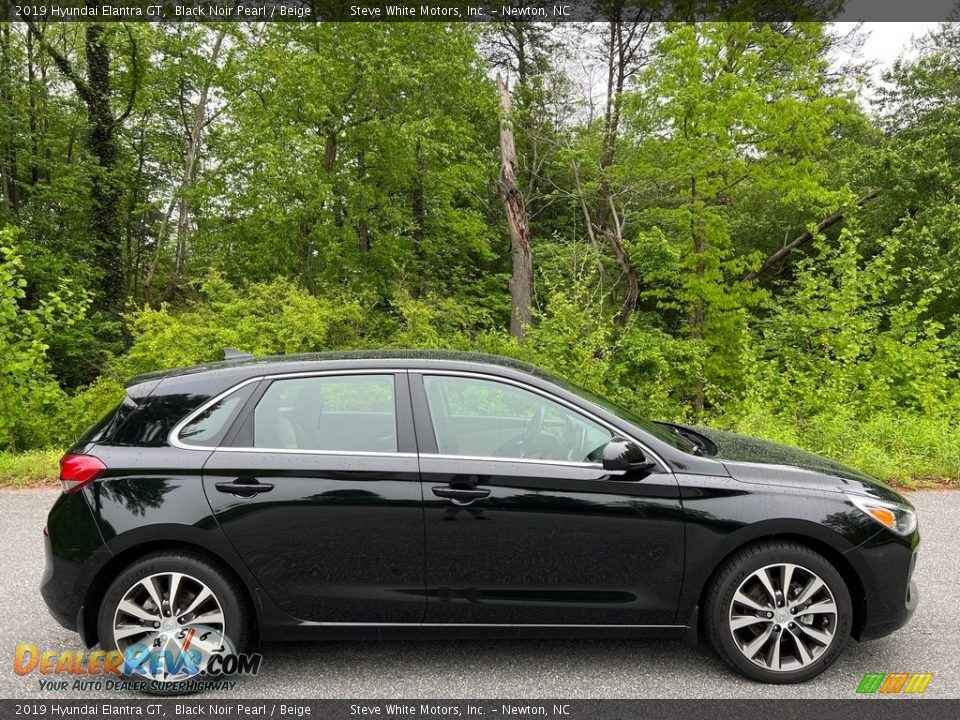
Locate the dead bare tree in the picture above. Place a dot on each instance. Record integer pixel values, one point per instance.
(514, 205)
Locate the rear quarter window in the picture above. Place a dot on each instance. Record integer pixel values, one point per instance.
(212, 424)
(150, 424)
(104, 428)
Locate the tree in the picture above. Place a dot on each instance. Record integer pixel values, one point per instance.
(96, 91)
(198, 67)
(740, 111)
(521, 281)
(625, 45)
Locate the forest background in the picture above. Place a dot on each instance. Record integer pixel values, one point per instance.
(714, 223)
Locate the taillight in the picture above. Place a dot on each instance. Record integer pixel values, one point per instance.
(78, 470)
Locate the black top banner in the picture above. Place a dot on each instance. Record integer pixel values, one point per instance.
(474, 10)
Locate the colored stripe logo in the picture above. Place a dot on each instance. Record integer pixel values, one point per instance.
(890, 683)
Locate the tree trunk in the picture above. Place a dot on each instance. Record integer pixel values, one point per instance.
(521, 281)
(805, 237)
(105, 193)
(8, 151)
(181, 199)
(615, 235)
(96, 91)
(418, 201)
(364, 241)
(624, 42)
(698, 308)
(588, 221)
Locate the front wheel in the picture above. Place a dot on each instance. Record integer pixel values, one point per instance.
(778, 612)
(170, 615)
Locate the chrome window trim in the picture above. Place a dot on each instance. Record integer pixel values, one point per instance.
(174, 436)
(174, 440)
(531, 461)
(613, 429)
(298, 451)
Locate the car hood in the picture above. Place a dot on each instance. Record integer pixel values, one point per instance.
(753, 460)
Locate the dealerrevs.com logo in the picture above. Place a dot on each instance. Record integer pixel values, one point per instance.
(190, 660)
(894, 683)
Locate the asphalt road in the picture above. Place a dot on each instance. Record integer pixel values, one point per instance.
(515, 669)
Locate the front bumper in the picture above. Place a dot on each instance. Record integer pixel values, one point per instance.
(890, 593)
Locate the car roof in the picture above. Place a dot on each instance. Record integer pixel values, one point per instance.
(306, 362)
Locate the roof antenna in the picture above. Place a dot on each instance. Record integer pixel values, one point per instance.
(234, 354)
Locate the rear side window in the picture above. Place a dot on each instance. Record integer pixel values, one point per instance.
(152, 420)
(343, 413)
(106, 425)
(211, 425)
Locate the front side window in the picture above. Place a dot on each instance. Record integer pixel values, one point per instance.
(344, 413)
(486, 418)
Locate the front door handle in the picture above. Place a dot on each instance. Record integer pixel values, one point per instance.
(244, 489)
(463, 495)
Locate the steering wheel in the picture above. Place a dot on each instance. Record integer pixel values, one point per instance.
(534, 425)
(519, 445)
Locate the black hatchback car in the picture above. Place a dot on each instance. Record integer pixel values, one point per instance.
(446, 495)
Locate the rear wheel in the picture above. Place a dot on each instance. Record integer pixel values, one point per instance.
(778, 612)
(170, 614)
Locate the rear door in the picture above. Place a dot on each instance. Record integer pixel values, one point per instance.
(523, 524)
(318, 490)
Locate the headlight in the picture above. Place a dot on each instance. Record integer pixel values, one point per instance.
(893, 516)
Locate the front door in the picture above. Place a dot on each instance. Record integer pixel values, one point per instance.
(319, 493)
(523, 524)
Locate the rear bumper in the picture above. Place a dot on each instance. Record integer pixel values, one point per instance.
(73, 551)
(57, 587)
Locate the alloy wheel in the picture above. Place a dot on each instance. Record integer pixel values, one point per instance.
(174, 614)
(783, 617)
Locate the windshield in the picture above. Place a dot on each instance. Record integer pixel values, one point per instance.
(658, 431)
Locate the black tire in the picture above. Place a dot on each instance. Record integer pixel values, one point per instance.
(238, 621)
(737, 569)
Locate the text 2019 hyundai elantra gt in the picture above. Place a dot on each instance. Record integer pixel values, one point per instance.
(441, 494)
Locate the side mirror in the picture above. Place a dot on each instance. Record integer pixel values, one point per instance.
(622, 455)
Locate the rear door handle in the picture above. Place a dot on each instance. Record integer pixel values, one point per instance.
(460, 494)
(248, 489)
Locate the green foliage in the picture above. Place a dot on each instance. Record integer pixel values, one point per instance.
(275, 317)
(28, 391)
(729, 128)
(837, 369)
(906, 449)
(29, 469)
(834, 342)
(294, 187)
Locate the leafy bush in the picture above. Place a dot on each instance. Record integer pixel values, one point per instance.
(29, 394)
(833, 368)
(838, 368)
(262, 319)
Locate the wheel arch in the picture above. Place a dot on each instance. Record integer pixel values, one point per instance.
(122, 559)
(835, 556)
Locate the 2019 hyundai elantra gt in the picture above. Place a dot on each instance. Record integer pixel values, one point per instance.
(449, 495)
